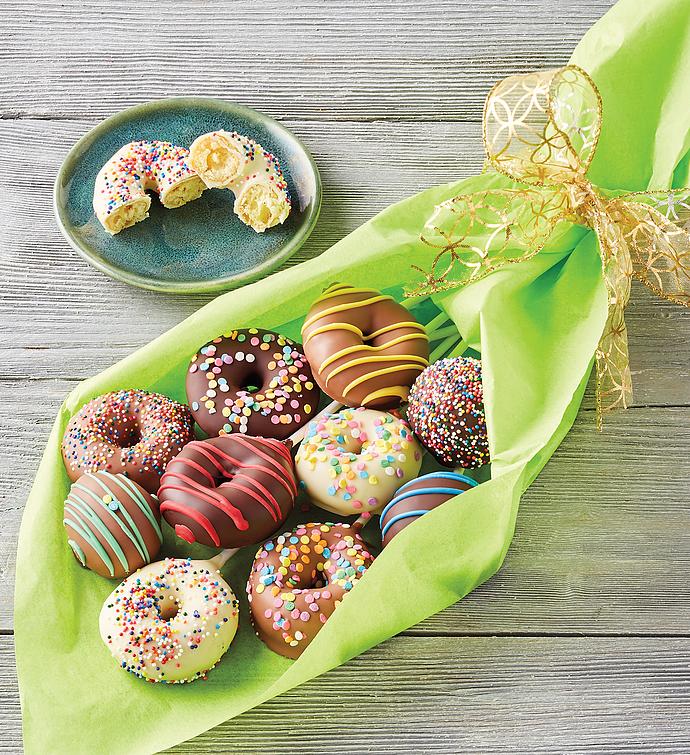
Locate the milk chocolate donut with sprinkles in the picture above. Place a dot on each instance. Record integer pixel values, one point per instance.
(229, 491)
(419, 497)
(446, 412)
(134, 433)
(251, 381)
(299, 578)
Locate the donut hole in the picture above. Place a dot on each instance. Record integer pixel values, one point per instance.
(252, 382)
(168, 610)
(127, 435)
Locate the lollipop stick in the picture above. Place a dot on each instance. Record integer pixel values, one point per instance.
(431, 326)
(361, 520)
(442, 333)
(298, 436)
(220, 559)
(443, 347)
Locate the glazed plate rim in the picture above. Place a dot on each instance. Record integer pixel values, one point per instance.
(292, 245)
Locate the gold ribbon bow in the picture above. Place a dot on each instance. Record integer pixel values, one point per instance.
(542, 129)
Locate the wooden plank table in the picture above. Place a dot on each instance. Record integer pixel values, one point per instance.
(582, 642)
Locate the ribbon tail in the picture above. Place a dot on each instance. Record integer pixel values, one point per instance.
(614, 380)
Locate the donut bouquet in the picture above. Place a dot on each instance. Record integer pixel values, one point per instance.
(137, 467)
(317, 462)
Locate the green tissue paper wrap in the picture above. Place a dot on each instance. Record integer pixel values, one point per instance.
(536, 325)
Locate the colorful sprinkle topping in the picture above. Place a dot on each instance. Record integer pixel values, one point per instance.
(446, 411)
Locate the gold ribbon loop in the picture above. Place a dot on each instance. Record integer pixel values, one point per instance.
(541, 130)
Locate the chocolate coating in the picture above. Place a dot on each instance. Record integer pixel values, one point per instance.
(113, 524)
(251, 381)
(418, 497)
(299, 578)
(229, 491)
(134, 433)
(365, 348)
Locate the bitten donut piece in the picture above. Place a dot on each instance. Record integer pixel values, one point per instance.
(416, 498)
(119, 197)
(228, 492)
(134, 433)
(299, 578)
(171, 621)
(251, 381)
(364, 347)
(113, 524)
(446, 411)
(228, 160)
(354, 461)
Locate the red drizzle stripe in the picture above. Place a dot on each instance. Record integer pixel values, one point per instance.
(202, 447)
(274, 462)
(265, 491)
(195, 516)
(192, 464)
(263, 501)
(241, 466)
(204, 493)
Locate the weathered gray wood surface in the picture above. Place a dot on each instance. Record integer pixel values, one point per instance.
(387, 95)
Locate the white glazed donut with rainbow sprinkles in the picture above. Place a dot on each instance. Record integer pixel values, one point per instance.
(228, 160)
(119, 197)
(353, 461)
(171, 621)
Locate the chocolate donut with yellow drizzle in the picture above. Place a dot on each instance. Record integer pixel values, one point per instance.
(365, 349)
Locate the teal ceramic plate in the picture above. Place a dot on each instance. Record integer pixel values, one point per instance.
(201, 246)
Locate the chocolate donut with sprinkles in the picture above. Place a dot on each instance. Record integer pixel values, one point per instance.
(229, 491)
(365, 348)
(251, 381)
(299, 578)
(171, 621)
(113, 524)
(134, 433)
(419, 497)
(446, 412)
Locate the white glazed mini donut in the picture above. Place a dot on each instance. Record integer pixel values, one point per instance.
(119, 197)
(355, 460)
(171, 621)
(228, 160)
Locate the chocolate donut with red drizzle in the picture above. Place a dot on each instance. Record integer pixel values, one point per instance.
(228, 492)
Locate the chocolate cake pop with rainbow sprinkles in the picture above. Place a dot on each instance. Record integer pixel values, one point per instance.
(446, 412)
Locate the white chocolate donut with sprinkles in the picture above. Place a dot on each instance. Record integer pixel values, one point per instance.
(228, 160)
(119, 197)
(354, 461)
(171, 621)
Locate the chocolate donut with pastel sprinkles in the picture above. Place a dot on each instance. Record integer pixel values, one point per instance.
(299, 578)
(113, 524)
(251, 381)
(134, 433)
(365, 348)
(416, 498)
(352, 462)
(230, 491)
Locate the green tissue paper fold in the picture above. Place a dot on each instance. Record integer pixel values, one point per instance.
(536, 325)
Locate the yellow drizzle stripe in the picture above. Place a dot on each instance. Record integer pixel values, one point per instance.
(342, 308)
(401, 391)
(332, 326)
(369, 360)
(395, 326)
(377, 373)
(341, 290)
(351, 349)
